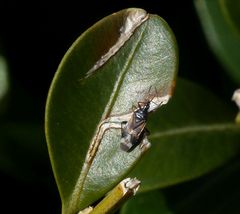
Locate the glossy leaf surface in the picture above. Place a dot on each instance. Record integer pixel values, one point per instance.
(119, 61)
(221, 24)
(192, 135)
(204, 195)
(4, 83)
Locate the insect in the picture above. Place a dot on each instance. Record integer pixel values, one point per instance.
(134, 131)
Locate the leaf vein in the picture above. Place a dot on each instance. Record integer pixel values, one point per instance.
(195, 128)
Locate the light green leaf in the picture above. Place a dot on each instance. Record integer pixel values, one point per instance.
(220, 21)
(4, 83)
(192, 135)
(123, 59)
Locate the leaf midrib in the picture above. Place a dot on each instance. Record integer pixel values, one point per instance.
(195, 128)
(122, 75)
(109, 107)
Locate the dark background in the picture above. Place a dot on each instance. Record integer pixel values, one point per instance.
(34, 36)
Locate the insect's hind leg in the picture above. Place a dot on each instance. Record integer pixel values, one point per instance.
(145, 144)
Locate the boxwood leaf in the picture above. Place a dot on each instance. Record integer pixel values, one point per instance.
(221, 24)
(4, 84)
(208, 194)
(192, 135)
(123, 59)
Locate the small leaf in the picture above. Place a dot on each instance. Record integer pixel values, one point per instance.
(151, 202)
(231, 10)
(4, 83)
(220, 22)
(194, 134)
(125, 58)
(218, 193)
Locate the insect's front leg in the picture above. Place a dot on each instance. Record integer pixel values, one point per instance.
(117, 118)
(113, 122)
(145, 144)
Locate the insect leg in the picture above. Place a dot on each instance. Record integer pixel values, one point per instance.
(123, 124)
(147, 132)
(110, 122)
(145, 144)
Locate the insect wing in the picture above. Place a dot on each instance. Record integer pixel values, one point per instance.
(138, 126)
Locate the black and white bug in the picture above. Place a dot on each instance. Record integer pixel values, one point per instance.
(134, 131)
(132, 125)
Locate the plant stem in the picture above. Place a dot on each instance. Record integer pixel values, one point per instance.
(116, 197)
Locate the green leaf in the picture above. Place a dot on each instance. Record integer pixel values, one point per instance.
(217, 193)
(150, 202)
(231, 10)
(191, 136)
(221, 24)
(4, 83)
(124, 58)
